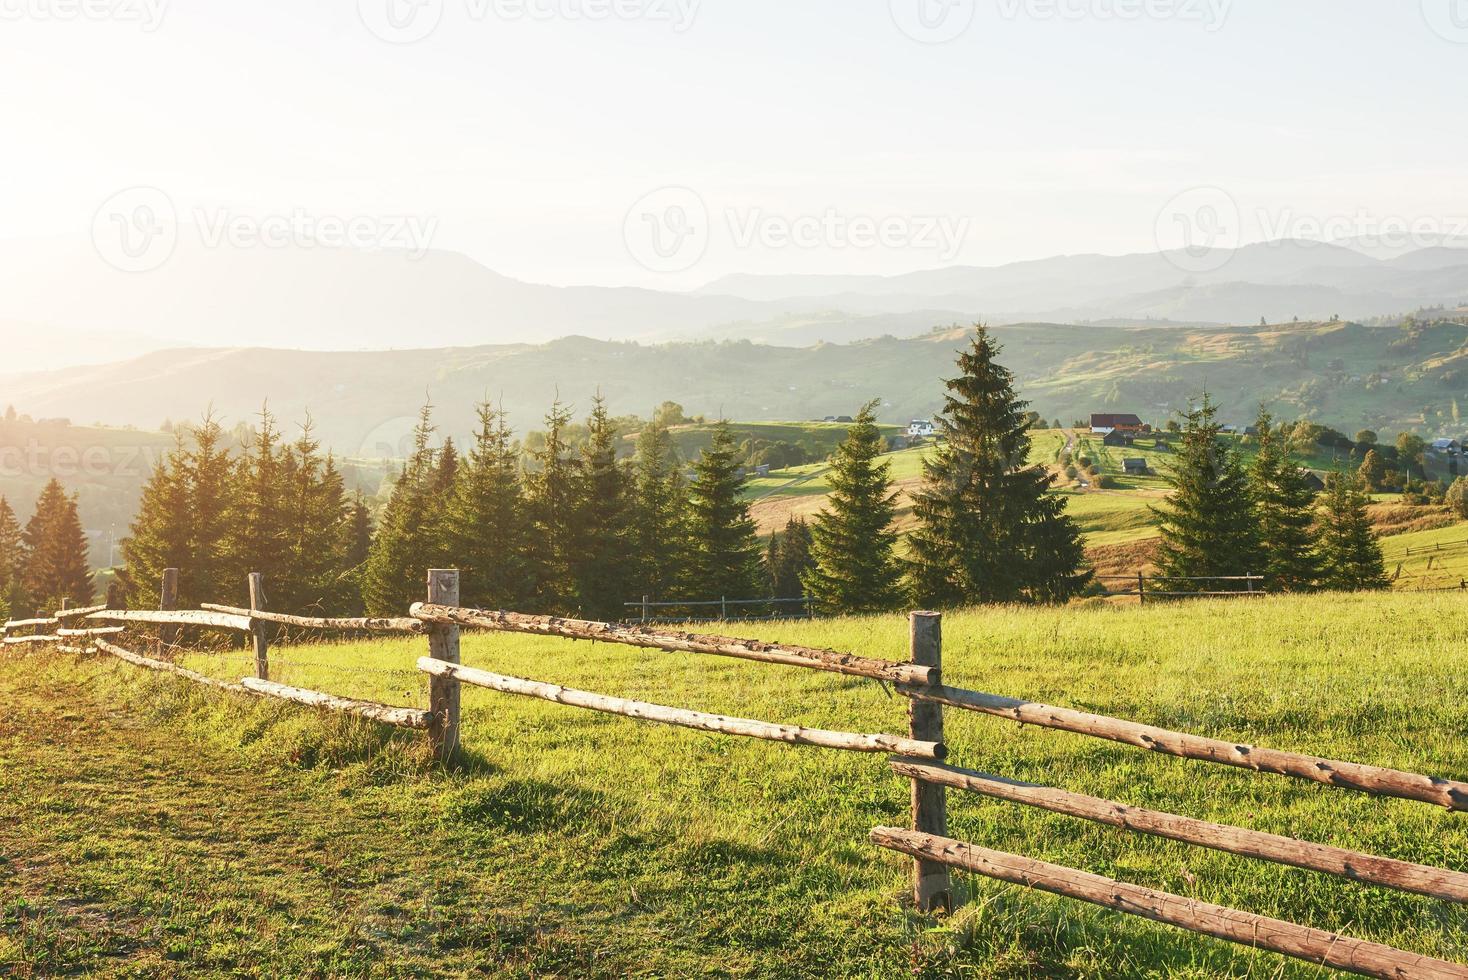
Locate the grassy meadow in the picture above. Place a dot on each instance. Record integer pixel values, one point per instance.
(150, 827)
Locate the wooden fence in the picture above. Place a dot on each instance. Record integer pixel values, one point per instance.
(1184, 586)
(918, 756)
(672, 611)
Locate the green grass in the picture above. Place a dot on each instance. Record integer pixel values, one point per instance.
(1428, 559)
(150, 827)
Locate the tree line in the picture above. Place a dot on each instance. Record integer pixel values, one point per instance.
(45, 561)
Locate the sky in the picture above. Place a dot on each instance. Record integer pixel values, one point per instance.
(667, 143)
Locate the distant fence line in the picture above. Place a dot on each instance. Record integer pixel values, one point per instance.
(692, 611)
(1167, 587)
(917, 756)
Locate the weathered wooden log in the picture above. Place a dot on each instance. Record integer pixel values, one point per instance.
(642, 636)
(23, 640)
(1440, 883)
(64, 614)
(681, 717)
(168, 668)
(25, 624)
(259, 636)
(98, 631)
(444, 696)
(1246, 928)
(932, 887)
(384, 713)
(175, 617)
(1370, 779)
(368, 624)
(75, 651)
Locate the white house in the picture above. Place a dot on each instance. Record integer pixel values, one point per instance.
(921, 428)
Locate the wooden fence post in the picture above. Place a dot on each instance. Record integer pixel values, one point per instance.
(258, 628)
(932, 887)
(1141, 589)
(645, 608)
(443, 644)
(168, 600)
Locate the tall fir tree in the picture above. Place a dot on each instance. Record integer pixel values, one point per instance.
(160, 536)
(408, 532)
(987, 530)
(1284, 504)
(257, 535)
(1350, 554)
(854, 565)
(659, 520)
(788, 560)
(210, 472)
(551, 484)
(356, 545)
(56, 552)
(600, 560)
(314, 508)
(725, 555)
(12, 564)
(484, 522)
(1208, 523)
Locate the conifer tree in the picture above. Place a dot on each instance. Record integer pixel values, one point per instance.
(56, 552)
(987, 530)
(788, 560)
(12, 564)
(854, 565)
(659, 521)
(725, 558)
(408, 531)
(205, 575)
(552, 486)
(1208, 523)
(160, 535)
(257, 534)
(1285, 507)
(484, 522)
(314, 508)
(600, 560)
(1350, 554)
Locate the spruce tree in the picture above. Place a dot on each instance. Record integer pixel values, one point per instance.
(1349, 551)
(314, 507)
(56, 552)
(659, 514)
(551, 490)
(788, 560)
(257, 535)
(484, 526)
(987, 530)
(206, 576)
(160, 535)
(1208, 523)
(600, 560)
(854, 565)
(725, 558)
(408, 532)
(12, 564)
(1285, 507)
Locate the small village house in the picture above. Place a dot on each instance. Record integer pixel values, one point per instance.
(1102, 423)
(1135, 466)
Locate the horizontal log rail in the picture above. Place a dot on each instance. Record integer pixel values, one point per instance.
(65, 614)
(97, 631)
(383, 713)
(162, 666)
(25, 624)
(1370, 779)
(175, 617)
(366, 624)
(1245, 928)
(683, 717)
(641, 636)
(23, 640)
(1422, 879)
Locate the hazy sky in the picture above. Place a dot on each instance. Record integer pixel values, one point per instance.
(571, 141)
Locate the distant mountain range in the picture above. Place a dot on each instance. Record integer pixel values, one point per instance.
(335, 299)
(364, 403)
